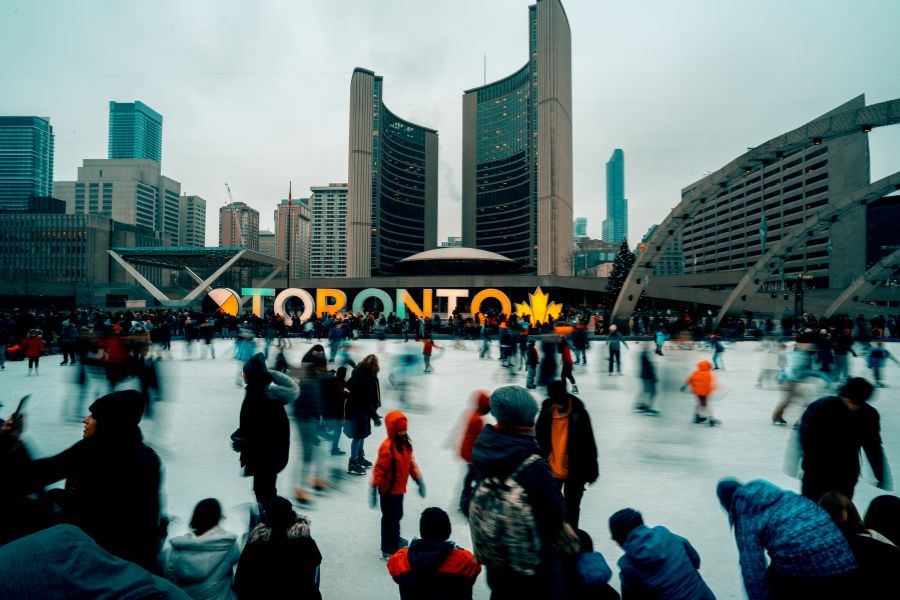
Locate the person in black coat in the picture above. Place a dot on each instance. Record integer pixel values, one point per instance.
(112, 479)
(264, 436)
(363, 402)
(832, 431)
(575, 463)
(281, 559)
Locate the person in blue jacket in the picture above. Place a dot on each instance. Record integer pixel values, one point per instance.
(657, 563)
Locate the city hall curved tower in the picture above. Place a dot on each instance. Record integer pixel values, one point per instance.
(392, 185)
(517, 153)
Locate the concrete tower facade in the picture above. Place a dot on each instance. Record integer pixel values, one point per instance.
(392, 185)
(238, 226)
(517, 153)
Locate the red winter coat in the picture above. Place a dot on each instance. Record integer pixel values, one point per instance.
(33, 347)
(395, 462)
(475, 424)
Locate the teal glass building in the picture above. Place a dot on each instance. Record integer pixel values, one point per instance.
(392, 187)
(615, 226)
(26, 160)
(517, 153)
(135, 131)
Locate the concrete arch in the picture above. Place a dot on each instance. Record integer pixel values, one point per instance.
(863, 285)
(827, 127)
(824, 218)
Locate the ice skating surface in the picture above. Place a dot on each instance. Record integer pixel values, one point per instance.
(666, 467)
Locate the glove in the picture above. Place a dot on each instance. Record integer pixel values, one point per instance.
(377, 421)
(683, 388)
(373, 497)
(421, 483)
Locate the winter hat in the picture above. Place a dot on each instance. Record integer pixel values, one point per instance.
(857, 390)
(556, 389)
(725, 491)
(482, 400)
(622, 522)
(256, 371)
(434, 524)
(513, 405)
(118, 410)
(278, 513)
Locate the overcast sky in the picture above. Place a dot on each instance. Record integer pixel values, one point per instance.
(256, 93)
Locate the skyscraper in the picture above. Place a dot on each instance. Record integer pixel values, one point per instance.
(615, 226)
(328, 242)
(517, 153)
(135, 131)
(238, 226)
(292, 234)
(392, 186)
(579, 228)
(191, 221)
(26, 160)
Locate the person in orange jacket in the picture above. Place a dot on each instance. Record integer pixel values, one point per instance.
(481, 400)
(433, 566)
(702, 384)
(394, 467)
(33, 346)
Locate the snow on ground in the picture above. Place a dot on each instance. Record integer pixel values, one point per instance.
(666, 467)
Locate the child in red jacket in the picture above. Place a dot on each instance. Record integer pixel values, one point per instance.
(33, 346)
(481, 400)
(392, 470)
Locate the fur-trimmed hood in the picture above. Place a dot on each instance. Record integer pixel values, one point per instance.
(298, 529)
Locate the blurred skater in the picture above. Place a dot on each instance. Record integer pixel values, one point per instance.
(878, 357)
(648, 380)
(481, 401)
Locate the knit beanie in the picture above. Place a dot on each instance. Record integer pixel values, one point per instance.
(725, 491)
(514, 406)
(622, 522)
(118, 410)
(256, 371)
(434, 524)
(278, 513)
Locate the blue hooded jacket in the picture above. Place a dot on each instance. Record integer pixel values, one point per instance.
(659, 564)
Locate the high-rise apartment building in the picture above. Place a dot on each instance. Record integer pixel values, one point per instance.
(128, 191)
(26, 160)
(517, 153)
(615, 227)
(670, 261)
(191, 221)
(392, 186)
(267, 242)
(238, 226)
(579, 227)
(135, 131)
(292, 235)
(328, 242)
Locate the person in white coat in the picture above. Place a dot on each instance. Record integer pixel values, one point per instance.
(202, 561)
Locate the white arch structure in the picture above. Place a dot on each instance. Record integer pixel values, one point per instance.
(863, 285)
(828, 127)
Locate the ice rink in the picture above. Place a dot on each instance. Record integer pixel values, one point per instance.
(665, 466)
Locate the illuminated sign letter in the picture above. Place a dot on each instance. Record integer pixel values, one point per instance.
(257, 294)
(451, 296)
(386, 302)
(404, 300)
(308, 304)
(505, 304)
(322, 304)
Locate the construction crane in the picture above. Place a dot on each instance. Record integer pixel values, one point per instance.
(240, 233)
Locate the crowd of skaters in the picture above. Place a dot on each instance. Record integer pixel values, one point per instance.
(548, 450)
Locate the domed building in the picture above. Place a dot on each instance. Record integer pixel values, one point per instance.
(456, 261)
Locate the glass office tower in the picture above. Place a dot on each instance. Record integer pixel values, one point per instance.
(26, 160)
(135, 131)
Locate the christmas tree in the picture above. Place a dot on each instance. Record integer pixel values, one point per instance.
(621, 267)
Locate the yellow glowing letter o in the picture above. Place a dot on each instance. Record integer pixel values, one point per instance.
(505, 304)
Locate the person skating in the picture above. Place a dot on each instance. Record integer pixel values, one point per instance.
(308, 411)
(613, 342)
(657, 563)
(335, 399)
(433, 567)
(263, 437)
(566, 440)
(113, 480)
(565, 358)
(702, 384)
(808, 557)
(878, 357)
(393, 468)
(832, 431)
(532, 359)
(428, 347)
(33, 347)
(481, 402)
(202, 561)
(363, 402)
(648, 381)
(718, 350)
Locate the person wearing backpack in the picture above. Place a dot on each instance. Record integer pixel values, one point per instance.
(517, 511)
